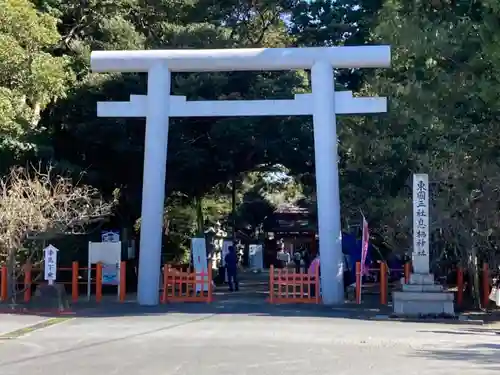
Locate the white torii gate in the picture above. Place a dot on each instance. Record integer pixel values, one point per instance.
(323, 104)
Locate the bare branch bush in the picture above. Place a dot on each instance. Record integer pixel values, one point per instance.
(466, 215)
(36, 201)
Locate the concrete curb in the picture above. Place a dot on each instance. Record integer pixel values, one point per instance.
(462, 320)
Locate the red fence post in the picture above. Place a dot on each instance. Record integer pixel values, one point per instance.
(165, 283)
(383, 283)
(460, 286)
(271, 284)
(407, 272)
(209, 298)
(317, 285)
(123, 281)
(98, 282)
(74, 281)
(27, 282)
(358, 282)
(486, 286)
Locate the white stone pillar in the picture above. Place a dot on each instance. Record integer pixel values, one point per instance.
(153, 184)
(421, 238)
(327, 182)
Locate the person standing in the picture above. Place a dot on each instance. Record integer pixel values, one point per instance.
(297, 258)
(306, 258)
(231, 261)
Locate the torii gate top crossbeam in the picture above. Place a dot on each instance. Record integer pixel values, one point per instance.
(244, 59)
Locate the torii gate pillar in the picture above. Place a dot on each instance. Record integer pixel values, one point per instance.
(153, 188)
(323, 104)
(327, 183)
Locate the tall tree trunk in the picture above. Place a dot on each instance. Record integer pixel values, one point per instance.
(11, 272)
(200, 222)
(473, 270)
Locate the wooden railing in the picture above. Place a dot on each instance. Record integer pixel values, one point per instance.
(288, 286)
(32, 277)
(186, 286)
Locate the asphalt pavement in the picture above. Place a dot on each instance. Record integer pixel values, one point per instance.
(233, 340)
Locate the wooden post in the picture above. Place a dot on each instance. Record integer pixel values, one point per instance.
(407, 271)
(271, 284)
(358, 283)
(74, 281)
(165, 283)
(209, 298)
(4, 287)
(98, 282)
(486, 286)
(27, 282)
(460, 286)
(383, 283)
(317, 285)
(123, 281)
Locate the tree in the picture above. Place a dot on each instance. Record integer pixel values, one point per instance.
(37, 205)
(443, 121)
(335, 22)
(111, 151)
(30, 77)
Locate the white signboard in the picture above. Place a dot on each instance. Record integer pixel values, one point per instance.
(109, 254)
(200, 262)
(421, 223)
(105, 252)
(256, 257)
(50, 256)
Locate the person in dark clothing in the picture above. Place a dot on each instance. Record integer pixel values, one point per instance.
(231, 260)
(306, 257)
(297, 258)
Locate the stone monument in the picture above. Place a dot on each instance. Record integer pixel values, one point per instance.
(50, 297)
(421, 296)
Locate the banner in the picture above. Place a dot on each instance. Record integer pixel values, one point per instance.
(364, 247)
(364, 252)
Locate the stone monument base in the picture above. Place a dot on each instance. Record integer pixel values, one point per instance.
(422, 297)
(50, 297)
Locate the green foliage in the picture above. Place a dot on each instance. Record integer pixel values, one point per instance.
(31, 77)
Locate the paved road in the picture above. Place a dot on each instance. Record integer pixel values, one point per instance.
(236, 343)
(11, 322)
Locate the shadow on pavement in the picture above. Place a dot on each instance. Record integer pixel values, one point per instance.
(474, 331)
(486, 355)
(235, 305)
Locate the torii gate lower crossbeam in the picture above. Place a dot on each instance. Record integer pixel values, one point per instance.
(157, 107)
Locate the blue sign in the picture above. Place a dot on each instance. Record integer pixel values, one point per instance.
(110, 274)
